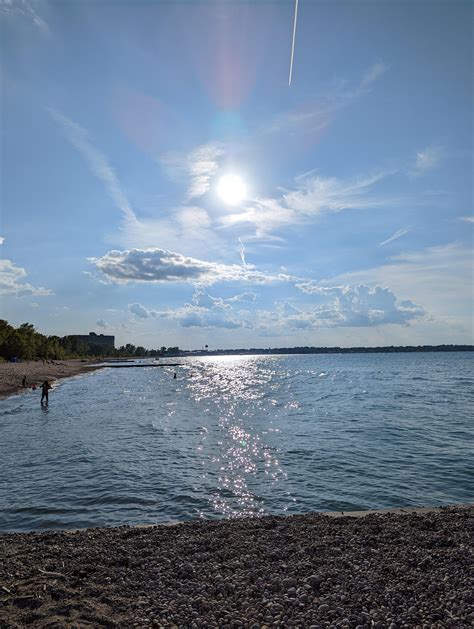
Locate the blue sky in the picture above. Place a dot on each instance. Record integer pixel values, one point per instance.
(162, 182)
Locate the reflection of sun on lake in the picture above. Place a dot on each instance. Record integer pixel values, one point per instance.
(231, 189)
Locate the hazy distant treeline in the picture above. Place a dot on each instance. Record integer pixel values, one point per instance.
(340, 350)
(26, 343)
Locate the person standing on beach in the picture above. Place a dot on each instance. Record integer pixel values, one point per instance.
(45, 387)
(23, 382)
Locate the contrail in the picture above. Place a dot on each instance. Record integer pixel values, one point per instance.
(293, 44)
(242, 252)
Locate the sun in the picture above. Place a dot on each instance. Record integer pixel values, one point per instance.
(232, 189)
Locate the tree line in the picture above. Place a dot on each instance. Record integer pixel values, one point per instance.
(26, 343)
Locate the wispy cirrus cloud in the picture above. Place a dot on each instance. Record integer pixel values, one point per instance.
(159, 265)
(198, 167)
(24, 9)
(312, 197)
(372, 75)
(317, 115)
(96, 162)
(398, 234)
(426, 159)
(467, 219)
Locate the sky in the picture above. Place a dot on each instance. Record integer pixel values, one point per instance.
(163, 182)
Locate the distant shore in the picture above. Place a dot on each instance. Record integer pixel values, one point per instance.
(37, 371)
(387, 569)
(383, 349)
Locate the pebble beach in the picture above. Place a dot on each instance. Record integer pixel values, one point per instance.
(385, 570)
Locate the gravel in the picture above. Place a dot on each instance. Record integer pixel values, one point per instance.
(382, 570)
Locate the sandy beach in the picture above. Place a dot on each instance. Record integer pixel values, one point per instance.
(384, 570)
(36, 371)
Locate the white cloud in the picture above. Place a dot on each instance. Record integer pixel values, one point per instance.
(141, 312)
(318, 194)
(248, 296)
(398, 234)
(203, 299)
(188, 227)
(158, 265)
(2, 240)
(96, 162)
(372, 75)
(242, 252)
(312, 197)
(100, 323)
(11, 281)
(26, 9)
(191, 315)
(318, 115)
(426, 160)
(199, 317)
(358, 306)
(467, 219)
(313, 118)
(199, 166)
(439, 278)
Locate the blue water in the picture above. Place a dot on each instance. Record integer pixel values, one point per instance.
(240, 435)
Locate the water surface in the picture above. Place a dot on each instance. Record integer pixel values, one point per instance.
(240, 435)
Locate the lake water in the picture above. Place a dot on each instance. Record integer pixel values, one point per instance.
(241, 435)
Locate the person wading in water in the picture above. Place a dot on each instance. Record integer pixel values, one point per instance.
(45, 387)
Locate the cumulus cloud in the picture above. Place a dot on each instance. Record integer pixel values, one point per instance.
(158, 265)
(199, 317)
(100, 323)
(201, 298)
(141, 312)
(11, 281)
(439, 278)
(2, 240)
(205, 311)
(358, 306)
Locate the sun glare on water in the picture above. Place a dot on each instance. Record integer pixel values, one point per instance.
(232, 189)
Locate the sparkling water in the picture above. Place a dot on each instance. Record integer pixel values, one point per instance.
(239, 436)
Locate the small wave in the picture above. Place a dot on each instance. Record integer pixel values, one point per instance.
(13, 411)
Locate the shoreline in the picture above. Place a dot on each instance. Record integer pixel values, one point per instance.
(36, 371)
(385, 569)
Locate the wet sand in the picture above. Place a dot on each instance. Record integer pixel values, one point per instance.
(386, 569)
(11, 374)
